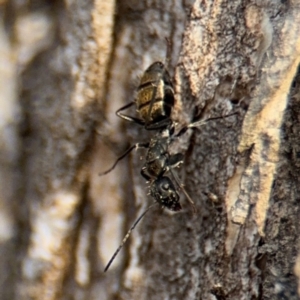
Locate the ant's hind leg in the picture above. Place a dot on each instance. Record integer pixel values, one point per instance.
(136, 146)
(129, 118)
(199, 123)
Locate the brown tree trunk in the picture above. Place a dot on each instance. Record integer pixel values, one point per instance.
(66, 68)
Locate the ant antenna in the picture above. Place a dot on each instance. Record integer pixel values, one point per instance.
(181, 186)
(127, 236)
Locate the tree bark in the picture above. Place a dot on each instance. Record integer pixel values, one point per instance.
(66, 68)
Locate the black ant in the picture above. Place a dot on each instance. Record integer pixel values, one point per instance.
(154, 104)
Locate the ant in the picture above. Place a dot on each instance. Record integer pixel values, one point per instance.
(154, 103)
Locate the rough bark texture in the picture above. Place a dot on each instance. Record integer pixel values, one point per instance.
(66, 67)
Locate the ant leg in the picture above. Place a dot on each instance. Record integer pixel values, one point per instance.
(136, 146)
(159, 125)
(144, 174)
(175, 160)
(129, 118)
(127, 236)
(181, 186)
(199, 123)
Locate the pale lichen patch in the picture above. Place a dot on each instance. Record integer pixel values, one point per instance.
(262, 129)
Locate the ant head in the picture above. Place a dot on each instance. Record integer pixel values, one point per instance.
(164, 192)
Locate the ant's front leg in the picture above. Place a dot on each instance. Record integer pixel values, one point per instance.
(173, 162)
(136, 146)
